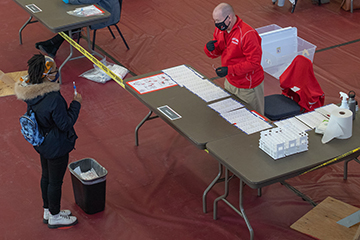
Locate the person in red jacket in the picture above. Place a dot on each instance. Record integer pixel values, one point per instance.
(239, 46)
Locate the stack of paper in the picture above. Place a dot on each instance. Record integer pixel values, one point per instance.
(186, 77)
(226, 105)
(312, 119)
(246, 121)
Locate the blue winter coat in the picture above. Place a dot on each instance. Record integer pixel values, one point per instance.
(55, 119)
(111, 6)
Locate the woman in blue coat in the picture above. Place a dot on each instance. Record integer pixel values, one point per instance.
(41, 92)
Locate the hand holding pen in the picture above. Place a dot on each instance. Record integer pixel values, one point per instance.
(77, 96)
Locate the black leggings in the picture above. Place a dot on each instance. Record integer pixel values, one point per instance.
(53, 171)
(57, 40)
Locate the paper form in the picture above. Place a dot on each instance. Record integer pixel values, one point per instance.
(194, 82)
(293, 122)
(246, 121)
(152, 83)
(327, 109)
(312, 119)
(226, 105)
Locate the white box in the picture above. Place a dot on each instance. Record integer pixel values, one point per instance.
(280, 46)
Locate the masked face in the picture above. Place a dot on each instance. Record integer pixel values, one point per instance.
(53, 76)
(222, 25)
(51, 71)
(56, 77)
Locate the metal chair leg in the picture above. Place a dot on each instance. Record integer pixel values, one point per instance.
(112, 34)
(122, 37)
(293, 7)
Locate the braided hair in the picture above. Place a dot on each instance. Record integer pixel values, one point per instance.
(36, 67)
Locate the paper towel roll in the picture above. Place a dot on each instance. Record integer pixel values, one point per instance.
(340, 125)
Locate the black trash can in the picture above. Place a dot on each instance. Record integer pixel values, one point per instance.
(89, 194)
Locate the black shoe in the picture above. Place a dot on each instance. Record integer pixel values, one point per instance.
(47, 47)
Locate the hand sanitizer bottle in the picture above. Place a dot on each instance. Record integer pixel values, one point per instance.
(344, 103)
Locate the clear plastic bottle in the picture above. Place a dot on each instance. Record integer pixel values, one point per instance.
(352, 103)
(344, 100)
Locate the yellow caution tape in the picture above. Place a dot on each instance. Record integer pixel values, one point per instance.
(332, 160)
(115, 77)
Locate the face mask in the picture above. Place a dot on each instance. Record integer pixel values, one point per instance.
(221, 25)
(56, 77)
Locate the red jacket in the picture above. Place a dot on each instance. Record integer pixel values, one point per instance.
(299, 83)
(240, 51)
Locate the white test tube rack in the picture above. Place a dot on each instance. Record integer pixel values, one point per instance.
(283, 141)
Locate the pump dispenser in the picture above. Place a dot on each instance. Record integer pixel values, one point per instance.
(344, 103)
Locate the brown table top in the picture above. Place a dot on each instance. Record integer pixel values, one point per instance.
(242, 156)
(198, 123)
(55, 17)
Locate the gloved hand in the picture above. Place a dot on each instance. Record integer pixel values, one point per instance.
(210, 45)
(222, 71)
(66, 1)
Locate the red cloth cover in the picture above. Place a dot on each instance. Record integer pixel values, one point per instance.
(299, 83)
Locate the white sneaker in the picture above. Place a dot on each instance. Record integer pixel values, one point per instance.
(47, 214)
(58, 220)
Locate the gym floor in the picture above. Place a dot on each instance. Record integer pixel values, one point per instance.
(154, 190)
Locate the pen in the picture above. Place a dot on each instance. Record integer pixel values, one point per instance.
(75, 92)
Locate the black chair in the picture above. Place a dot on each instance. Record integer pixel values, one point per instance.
(94, 34)
(301, 91)
(294, 5)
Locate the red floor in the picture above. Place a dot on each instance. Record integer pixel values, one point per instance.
(154, 190)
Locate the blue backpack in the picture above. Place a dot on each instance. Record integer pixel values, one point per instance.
(30, 128)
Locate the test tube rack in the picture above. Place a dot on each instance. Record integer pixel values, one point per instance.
(283, 141)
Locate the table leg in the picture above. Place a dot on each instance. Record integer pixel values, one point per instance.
(222, 197)
(216, 179)
(148, 117)
(346, 166)
(67, 59)
(346, 169)
(300, 194)
(93, 52)
(243, 211)
(22, 28)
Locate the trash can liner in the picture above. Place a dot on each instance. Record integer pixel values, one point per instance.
(86, 165)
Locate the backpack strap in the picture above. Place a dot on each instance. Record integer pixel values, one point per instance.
(42, 131)
(28, 109)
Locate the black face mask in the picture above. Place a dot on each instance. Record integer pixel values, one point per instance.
(221, 25)
(56, 77)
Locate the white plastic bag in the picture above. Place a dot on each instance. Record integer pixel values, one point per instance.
(98, 75)
(86, 11)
